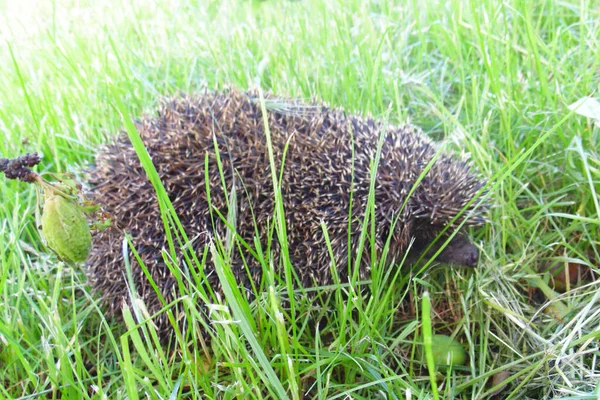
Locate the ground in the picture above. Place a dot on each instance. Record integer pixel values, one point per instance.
(492, 79)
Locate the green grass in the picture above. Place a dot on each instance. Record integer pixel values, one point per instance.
(491, 78)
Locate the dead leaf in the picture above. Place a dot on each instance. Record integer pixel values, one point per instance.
(587, 106)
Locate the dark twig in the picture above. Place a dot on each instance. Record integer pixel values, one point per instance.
(19, 167)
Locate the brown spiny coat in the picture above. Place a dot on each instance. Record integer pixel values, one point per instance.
(328, 162)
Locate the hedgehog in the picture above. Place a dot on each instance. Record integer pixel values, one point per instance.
(212, 146)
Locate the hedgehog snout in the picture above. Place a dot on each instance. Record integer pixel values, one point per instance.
(460, 251)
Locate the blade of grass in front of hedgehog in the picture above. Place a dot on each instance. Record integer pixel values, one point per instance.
(335, 276)
(167, 307)
(280, 224)
(149, 342)
(427, 342)
(321, 388)
(126, 367)
(234, 298)
(281, 333)
(170, 219)
(230, 223)
(152, 363)
(142, 315)
(289, 272)
(144, 322)
(168, 214)
(391, 282)
(282, 338)
(367, 232)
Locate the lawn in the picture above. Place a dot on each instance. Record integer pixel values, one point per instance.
(491, 79)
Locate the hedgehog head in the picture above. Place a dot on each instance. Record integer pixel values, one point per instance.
(447, 199)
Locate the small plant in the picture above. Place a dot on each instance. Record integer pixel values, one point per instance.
(68, 217)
